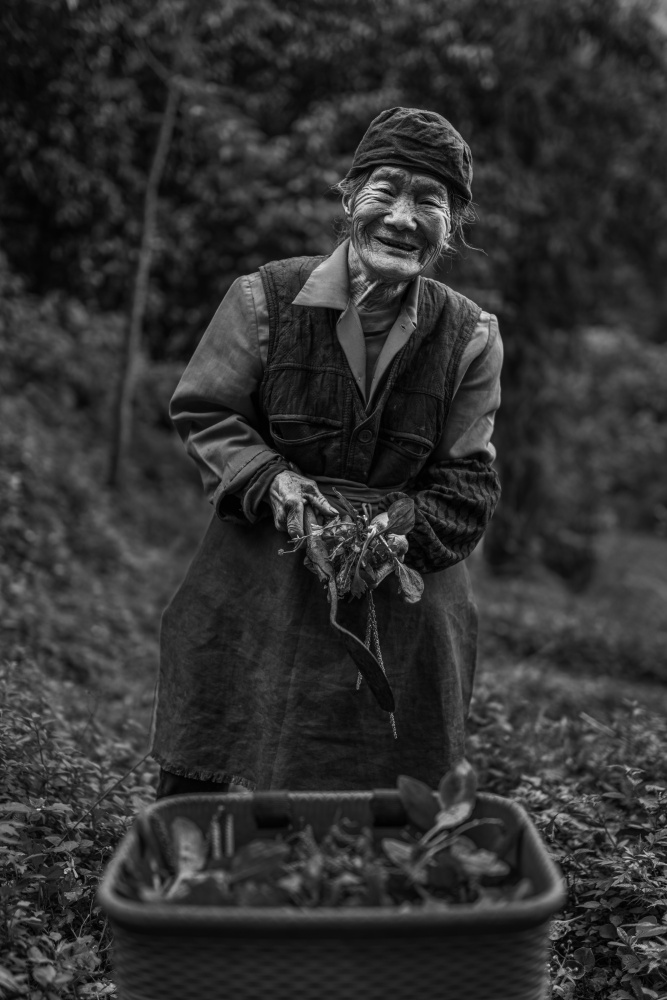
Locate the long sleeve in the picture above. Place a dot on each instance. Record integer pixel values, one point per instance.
(215, 408)
(458, 490)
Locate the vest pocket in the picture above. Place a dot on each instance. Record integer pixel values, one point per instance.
(411, 446)
(307, 440)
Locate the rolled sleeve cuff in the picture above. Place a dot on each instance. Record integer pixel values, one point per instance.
(245, 481)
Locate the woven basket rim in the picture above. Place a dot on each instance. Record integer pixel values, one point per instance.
(459, 919)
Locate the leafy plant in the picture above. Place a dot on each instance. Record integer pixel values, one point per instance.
(69, 791)
(433, 862)
(356, 548)
(597, 790)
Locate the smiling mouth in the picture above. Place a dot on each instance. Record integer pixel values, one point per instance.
(401, 245)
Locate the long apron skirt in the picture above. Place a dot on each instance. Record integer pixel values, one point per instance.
(256, 687)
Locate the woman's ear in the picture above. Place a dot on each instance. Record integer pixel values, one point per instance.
(347, 204)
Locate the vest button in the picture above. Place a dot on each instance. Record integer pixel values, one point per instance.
(365, 436)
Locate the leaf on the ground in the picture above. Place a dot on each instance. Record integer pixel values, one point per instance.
(608, 932)
(9, 981)
(585, 956)
(44, 974)
(574, 969)
(646, 930)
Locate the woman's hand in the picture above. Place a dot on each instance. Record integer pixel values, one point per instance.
(288, 493)
(397, 543)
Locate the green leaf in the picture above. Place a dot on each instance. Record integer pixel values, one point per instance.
(44, 974)
(202, 889)
(575, 970)
(358, 586)
(444, 871)
(456, 794)
(411, 584)
(401, 516)
(397, 851)
(402, 855)
(189, 846)
(586, 957)
(8, 981)
(419, 800)
(259, 894)
(476, 862)
(259, 858)
(645, 930)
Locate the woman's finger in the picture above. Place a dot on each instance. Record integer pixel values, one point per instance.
(294, 518)
(317, 500)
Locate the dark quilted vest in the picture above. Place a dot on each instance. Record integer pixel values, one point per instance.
(316, 416)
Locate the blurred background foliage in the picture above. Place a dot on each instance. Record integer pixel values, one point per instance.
(563, 103)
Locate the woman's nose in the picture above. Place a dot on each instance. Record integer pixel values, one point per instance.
(401, 215)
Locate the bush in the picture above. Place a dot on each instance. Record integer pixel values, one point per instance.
(60, 819)
(597, 791)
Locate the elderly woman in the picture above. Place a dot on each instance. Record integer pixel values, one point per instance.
(357, 372)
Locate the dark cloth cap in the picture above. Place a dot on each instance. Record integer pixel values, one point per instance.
(419, 140)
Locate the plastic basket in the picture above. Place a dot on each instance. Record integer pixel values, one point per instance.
(165, 951)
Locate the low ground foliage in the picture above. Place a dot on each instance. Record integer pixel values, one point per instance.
(58, 829)
(594, 781)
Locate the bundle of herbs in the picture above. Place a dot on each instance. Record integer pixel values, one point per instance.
(432, 863)
(355, 545)
(351, 555)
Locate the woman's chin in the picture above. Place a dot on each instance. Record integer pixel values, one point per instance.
(391, 268)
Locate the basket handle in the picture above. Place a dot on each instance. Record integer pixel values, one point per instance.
(272, 810)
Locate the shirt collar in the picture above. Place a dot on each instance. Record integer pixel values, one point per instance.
(329, 286)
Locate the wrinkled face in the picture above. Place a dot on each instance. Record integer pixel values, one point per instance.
(400, 221)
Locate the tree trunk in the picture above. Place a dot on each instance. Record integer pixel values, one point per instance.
(122, 430)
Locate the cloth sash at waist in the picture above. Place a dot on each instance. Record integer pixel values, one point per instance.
(356, 493)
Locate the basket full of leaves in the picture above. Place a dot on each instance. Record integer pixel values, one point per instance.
(407, 894)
